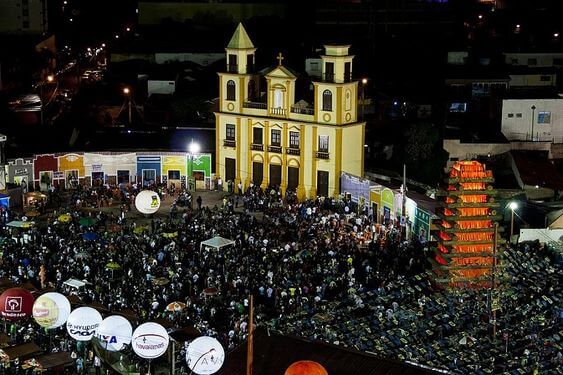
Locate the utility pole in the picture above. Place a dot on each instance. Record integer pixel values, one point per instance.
(533, 114)
(250, 343)
(404, 204)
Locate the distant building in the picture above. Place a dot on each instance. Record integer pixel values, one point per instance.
(537, 120)
(23, 16)
(153, 12)
(266, 136)
(534, 59)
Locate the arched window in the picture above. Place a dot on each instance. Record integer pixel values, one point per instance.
(327, 100)
(231, 90)
(251, 90)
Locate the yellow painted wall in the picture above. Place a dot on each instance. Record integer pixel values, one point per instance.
(174, 163)
(70, 162)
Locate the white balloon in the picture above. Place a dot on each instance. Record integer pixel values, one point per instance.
(205, 355)
(147, 202)
(82, 323)
(51, 310)
(150, 340)
(114, 333)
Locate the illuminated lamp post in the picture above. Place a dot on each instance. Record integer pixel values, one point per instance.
(364, 82)
(50, 78)
(193, 148)
(127, 93)
(513, 206)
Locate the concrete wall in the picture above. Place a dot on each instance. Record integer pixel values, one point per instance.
(161, 87)
(517, 119)
(461, 151)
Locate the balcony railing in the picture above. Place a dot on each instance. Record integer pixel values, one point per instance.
(276, 149)
(328, 77)
(278, 111)
(256, 105)
(323, 155)
(303, 111)
(292, 151)
(232, 68)
(229, 143)
(257, 147)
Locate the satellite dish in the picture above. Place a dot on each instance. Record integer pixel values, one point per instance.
(150, 340)
(82, 323)
(147, 202)
(114, 333)
(205, 355)
(51, 310)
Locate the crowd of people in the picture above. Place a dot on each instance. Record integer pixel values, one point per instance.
(318, 268)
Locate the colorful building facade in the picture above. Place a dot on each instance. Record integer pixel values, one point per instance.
(266, 136)
(114, 168)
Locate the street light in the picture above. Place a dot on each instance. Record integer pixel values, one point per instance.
(193, 148)
(364, 82)
(533, 107)
(513, 206)
(127, 93)
(50, 78)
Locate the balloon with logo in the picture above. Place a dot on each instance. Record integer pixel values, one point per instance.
(147, 202)
(82, 323)
(205, 355)
(16, 304)
(150, 340)
(306, 368)
(51, 310)
(114, 333)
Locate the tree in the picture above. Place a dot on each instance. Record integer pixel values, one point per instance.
(423, 153)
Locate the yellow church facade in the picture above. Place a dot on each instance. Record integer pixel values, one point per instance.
(266, 136)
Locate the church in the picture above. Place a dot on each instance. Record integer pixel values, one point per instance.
(266, 135)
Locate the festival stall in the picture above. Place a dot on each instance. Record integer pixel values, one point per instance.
(216, 242)
(34, 199)
(54, 363)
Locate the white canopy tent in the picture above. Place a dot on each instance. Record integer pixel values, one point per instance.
(77, 284)
(216, 242)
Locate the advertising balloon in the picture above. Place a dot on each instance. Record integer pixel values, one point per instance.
(16, 304)
(205, 355)
(114, 333)
(82, 323)
(150, 340)
(51, 310)
(306, 368)
(147, 202)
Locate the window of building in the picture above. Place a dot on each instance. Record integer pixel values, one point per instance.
(510, 115)
(544, 117)
(230, 133)
(545, 78)
(323, 143)
(294, 139)
(518, 115)
(231, 90)
(275, 138)
(327, 100)
(257, 136)
(532, 61)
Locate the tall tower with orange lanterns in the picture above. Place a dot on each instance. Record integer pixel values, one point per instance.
(465, 255)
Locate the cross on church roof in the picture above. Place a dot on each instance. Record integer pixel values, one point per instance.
(280, 58)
